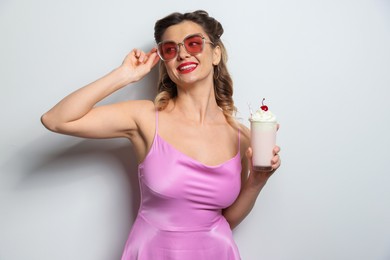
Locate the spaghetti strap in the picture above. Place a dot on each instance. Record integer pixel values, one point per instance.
(239, 140)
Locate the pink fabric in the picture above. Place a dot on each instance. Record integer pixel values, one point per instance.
(181, 203)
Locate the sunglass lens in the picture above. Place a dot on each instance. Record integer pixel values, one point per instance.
(194, 44)
(167, 50)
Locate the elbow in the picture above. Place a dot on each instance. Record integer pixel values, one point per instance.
(49, 123)
(233, 223)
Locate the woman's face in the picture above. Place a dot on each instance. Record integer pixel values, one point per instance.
(186, 68)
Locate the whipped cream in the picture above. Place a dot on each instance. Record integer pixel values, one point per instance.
(263, 116)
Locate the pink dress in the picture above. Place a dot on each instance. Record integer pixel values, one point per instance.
(180, 216)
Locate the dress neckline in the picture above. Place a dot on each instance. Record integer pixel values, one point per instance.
(193, 159)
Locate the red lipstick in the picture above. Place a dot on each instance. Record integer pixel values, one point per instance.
(187, 67)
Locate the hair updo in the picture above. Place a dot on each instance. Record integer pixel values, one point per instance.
(223, 84)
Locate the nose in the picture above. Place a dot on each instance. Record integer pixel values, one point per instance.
(182, 52)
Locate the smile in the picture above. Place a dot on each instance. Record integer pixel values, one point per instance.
(187, 67)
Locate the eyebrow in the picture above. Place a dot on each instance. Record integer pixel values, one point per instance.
(201, 34)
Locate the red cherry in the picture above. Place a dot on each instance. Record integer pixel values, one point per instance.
(263, 107)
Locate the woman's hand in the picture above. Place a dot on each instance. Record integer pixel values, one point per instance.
(138, 64)
(260, 177)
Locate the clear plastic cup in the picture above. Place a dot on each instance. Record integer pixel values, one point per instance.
(263, 141)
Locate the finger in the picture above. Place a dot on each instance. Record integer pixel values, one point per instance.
(249, 153)
(153, 59)
(145, 57)
(130, 56)
(137, 53)
(276, 149)
(142, 57)
(276, 165)
(276, 162)
(153, 50)
(275, 159)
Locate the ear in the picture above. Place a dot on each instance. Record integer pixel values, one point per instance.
(216, 55)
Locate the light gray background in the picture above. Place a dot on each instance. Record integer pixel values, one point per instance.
(324, 67)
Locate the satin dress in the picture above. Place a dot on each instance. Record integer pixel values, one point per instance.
(180, 215)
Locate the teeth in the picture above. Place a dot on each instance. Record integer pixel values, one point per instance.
(186, 67)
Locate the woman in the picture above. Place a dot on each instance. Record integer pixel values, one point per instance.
(193, 173)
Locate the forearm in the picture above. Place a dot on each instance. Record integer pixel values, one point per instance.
(80, 102)
(244, 202)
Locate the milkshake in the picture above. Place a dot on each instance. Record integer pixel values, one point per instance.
(263, 137)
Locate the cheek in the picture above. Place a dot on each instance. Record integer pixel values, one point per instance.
(172, 74)
(170, 68)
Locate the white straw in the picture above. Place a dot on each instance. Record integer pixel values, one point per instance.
(250, 108)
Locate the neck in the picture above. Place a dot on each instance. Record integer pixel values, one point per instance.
(200, 108)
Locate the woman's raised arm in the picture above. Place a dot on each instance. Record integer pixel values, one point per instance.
(77, 115)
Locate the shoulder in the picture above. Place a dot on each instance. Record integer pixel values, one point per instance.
(140, 105)
(143, 115)
(139, 108)
(140, 115)
(140, 112)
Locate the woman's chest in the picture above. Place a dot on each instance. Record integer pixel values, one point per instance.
(210, 145)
